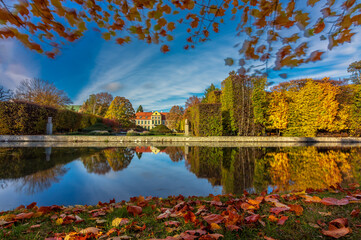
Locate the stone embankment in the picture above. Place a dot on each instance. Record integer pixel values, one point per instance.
(219, 141)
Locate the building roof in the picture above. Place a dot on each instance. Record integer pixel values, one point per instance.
(148, 115)
(143, 115)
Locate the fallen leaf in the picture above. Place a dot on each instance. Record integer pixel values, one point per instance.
(337, 228)
(334, 201)
(35, 226)
(313, 199)
(282, 220)
(213, 218)
(136, 210)
(298, 209)
(314, 225)
(92, 230)
(273, 218)
(325, 213)
(253, 218)
(269, 238)
(278, 210)
(355, 212)
(166, 214)
(215, 226)
(22, 216)
(119, 222)
(172, 223)
(59, 221)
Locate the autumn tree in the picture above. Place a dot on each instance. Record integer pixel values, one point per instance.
(5, 94)
(278, 111)
(121, 110)
(175, 117)
(355, 70)
(97, 104)
(207, 93)
(275, 33)
(140, 109)
(41, 92)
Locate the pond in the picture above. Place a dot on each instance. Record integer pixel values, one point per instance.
(86, 175)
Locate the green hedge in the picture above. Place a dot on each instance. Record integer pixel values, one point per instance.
(207, 120)
(19, 118)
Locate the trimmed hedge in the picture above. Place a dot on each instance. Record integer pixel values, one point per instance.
(19, 118)
(207, 120)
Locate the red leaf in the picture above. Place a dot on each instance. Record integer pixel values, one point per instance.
(22, 216)
(164, 49)
(355, 212)
(213, 218)
(172, 223)
(253, 218)
(278, 210)
(334, 201)
(30, 206)
(166, 214)
(282, 220)
(136, 210)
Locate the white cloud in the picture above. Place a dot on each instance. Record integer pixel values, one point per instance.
(14, 65)
(156, 81)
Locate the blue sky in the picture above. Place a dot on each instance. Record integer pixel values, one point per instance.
(144, 75)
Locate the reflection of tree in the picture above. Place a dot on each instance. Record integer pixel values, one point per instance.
(176, 154)
(111, 158)
(302, 168)
(96, 163)
(119, 158)
(233, 168)
(32, 170)
(42, 180)
(139, 155)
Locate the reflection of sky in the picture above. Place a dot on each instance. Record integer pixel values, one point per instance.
(152, 175)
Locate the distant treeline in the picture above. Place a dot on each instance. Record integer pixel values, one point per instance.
(303, 107)
(21, 118)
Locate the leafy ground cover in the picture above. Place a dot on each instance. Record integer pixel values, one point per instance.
(311, 214)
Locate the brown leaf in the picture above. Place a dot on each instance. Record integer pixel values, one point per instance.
(337, 228)
(172, 223)
(30, 206)
(166, 214)
(135, 210)
(189, 217)
(92, 230)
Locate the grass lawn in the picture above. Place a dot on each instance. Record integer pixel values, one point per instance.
(312, 214)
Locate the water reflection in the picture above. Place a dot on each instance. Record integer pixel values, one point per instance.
(34, 170)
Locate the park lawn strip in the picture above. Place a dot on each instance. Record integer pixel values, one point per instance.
(304, 215)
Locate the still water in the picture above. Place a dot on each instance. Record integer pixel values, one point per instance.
(69, 176)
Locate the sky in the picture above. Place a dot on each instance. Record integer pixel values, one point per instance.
(144, 75)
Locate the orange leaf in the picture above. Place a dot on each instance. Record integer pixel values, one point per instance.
(298, 209)
(272, 218)
(189, 217)
(319, 27)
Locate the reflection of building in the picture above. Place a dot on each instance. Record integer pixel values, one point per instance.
(149, 120)
(148, 149)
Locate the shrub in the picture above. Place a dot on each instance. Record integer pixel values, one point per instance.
(20, 118)
(160, 129)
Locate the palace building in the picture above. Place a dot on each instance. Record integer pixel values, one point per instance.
(149, 120)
